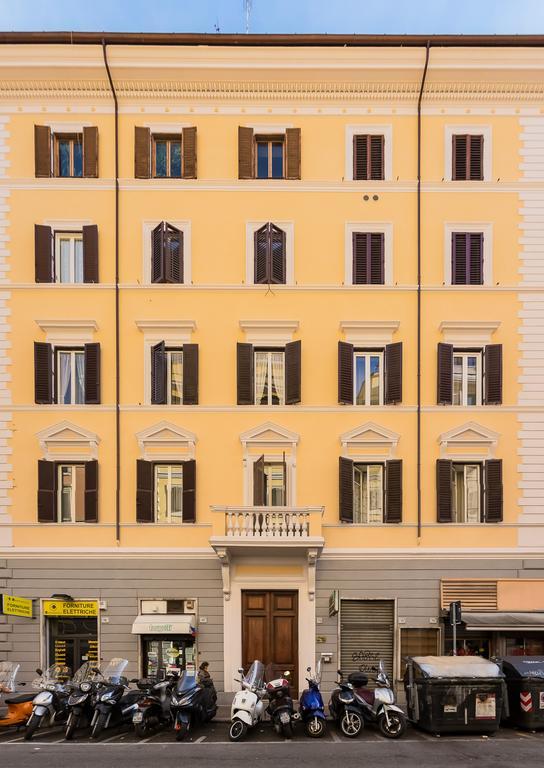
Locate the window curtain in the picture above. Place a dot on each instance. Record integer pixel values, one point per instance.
(261, 378)
(278, 378)
(80, 378)
(65, 377)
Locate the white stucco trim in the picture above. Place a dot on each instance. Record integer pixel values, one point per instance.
(184, 226)
(369, 442)
(367, 226)
(66, 441)
(386, 131)
(69, 225)
(163, 442)
(71, 332)
(269, 332)
(468, 332)
(371, 332)
(471, 130)
(271, 441)
(289, 229)
(473, 226)
(468, 442)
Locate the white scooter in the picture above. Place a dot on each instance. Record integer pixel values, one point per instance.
(248, 707)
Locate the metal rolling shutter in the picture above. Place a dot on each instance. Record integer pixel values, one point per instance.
(366, 635)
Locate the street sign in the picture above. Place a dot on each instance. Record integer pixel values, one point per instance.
(12, 605)
(70, 608)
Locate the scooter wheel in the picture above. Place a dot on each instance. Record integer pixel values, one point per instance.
(182, 731)
(351, 724)
(142, 729)
(396, 726)
(315, 728)
(237, 731)
(99, 726)
(71, 728)
(32, 726)
(287, 730)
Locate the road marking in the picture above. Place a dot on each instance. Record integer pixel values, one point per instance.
(12, 741)
(335, 737)
(117, 736)
(200, 740)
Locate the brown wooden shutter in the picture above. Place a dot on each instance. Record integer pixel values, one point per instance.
(42, 151)
(476, 158)
(293, 366)
(144, 492)
(258, 482)
(188, 513)
(43, 373)
(444, 491)
(157, 254)
(90, 254)
(345, 489)
(445, 374)
(90, 152)
(345, 373)
(277, 255)
(260, 256)
(393, 373)
(142, 153)
(493, 374)
(475, 258)
(360, 157)
(376, 157)
(189, 152)
(393, 491)
(493, 509)
(92, 374)
(459, 157)
(43, 254)
(172, 243)
(91, 491)
(360, 260)
(47, 491)
(190, 374)
(292, 153)
(244, 374)
(158, 374)
(246, 164)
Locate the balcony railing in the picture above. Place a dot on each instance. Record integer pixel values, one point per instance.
(268, 523)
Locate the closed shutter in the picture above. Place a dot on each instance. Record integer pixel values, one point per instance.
(292, 153)
(360, 157)
(368, 157)
(475, 257)
(158, 374)
(189, 491)
(393, 491)
(345, 489)
(293, 363)
(368, 258)
(90, 254)
(246, 165)
(445, 374)
(43, 253)
(393, 373)
(142, 153)
(189, 152)
(90, 152)
(258, 482)
(493, 491)
(467, 258)
(493, 374)
(42, 151)
(244, 374)
(92, 374)
(47, 491)
(157, 255)
(144, 491)
(190, 374)
(459, 157)
(345, 373)
(377, 158)
(367, 631)
(444, 491)
(276, 255)
(91, 491)
(43, 373)
(467, 154)
(476, 158)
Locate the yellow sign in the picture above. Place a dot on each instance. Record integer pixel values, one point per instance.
(70, 607)
(16, 606)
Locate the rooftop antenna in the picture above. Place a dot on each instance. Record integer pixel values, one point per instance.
(247, 8)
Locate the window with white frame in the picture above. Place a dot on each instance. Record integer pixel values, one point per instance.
(368, 493)
(467, 377)
(274, 484)
(69, 257)
(168, 493)
(70, 376)
(174, 376)
(368, 152)
(71, 493)
(269, 377)
(369, 377)
(467, 493)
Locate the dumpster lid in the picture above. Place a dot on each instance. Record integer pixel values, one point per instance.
(511, 620)
(457, 666)
(523, 666)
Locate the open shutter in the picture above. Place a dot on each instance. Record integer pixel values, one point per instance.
(260, 257)
(43, 253)
(158, 271)
(43, 373)
(393, 491)
(345, 373)
(276, 254)
(47, 491)
(188, 513)
(142, 153)
(189, 152)
(345, 489)
(444, 491)
(493, 491)
(393, 373)
(91, 491)
(476, 158)
(493, 374)
(144, 491)
(246, 165)
(293, 372)
(475, 254)
(190, 374)
(173, 254)
(292, 153)
(360, 157)
(459, 157)
(445, 374)
(90, 152)
(244, 374)
(258, 482)
(92, 374)
(90, 254)
(42, 151)
(158, 374)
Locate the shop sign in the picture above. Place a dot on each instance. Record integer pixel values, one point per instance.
(70, 608)
(16, 606)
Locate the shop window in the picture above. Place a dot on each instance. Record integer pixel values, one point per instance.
(418, 642)
(72, 641)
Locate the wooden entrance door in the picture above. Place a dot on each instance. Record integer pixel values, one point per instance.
(270, 631)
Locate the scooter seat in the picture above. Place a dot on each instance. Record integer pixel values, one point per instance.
(21, 698)
(367, 695)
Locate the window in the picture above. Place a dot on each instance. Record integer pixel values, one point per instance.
(66, 256)
(467, 266)
(467, 157)
(469, 491)
(466, 493)
(68, 490)
(174, 376)
(417, 642)
(168, 485)
(368, 157)
(166, 490)
(71, 493)
(368, 378)
(166, 156)
(274, 484)
(269, 377)
(166, 254)
(368, 258)
(67, 376)
(68, 154)
(269, 157)
(368, 493)
(467, 378)
(274, 155)
(70, 375)
(269, 255)
(69, 257)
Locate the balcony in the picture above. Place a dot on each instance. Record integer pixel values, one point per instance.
(286, 527)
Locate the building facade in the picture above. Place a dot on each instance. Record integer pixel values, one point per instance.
(271, 349)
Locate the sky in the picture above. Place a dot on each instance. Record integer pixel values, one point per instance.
(296, 16)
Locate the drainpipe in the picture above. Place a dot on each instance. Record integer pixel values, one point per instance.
(117, 335)
(423, 78)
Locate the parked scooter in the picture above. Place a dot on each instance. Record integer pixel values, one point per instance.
(19, 704)
(84, 689)
(280, 707)
(248, 706)
(50, 706)
(311, 708)
(116, 703)
(153, 709)
(192, 703)
(380, 708)
(346, 708)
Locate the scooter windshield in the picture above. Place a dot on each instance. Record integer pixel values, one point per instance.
(56, 673)
(113, 670)
(255, 675)
(85, 672)
(186, 682)
(8, 673)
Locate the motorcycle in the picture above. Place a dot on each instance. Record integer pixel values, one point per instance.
(82, 699)
(311, 708)
(52, 701)
(346, 708)
(154, 706)
(380, 708)
(192, 703)
(280, 706)
(247, 706)
(115, 702)
(19, 705)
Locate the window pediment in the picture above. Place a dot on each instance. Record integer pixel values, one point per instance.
(68, 442)
(468, 440)
(369, 441)
(269, 435)
(166, 441)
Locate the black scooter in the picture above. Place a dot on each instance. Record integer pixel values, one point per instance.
(347, 708)
(280, 707)
(84, 691)
(192, 703)
(153, 710)
(115, 702)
